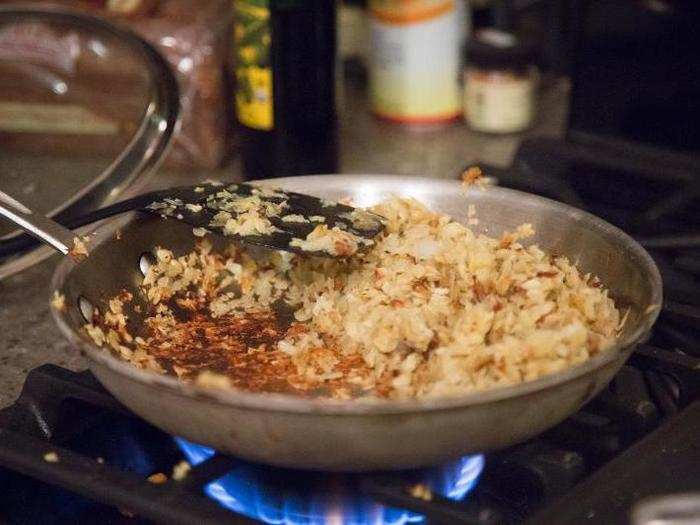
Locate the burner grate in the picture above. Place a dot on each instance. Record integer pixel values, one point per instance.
(664, 461)
(174, 503)
(57, 408)
(45, 420)
(46, 415)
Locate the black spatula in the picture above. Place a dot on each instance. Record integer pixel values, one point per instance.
(250, 214)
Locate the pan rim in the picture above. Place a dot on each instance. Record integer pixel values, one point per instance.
(288, 403)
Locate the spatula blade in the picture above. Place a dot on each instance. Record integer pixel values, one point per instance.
(271, 217)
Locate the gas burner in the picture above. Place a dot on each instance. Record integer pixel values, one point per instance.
(275, 495)
(100, 451)
(71, 416)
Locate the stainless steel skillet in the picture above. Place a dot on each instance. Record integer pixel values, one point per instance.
(350, 436)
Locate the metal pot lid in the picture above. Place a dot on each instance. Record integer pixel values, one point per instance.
(87, 112)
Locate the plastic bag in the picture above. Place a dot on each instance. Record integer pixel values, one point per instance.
(59, 87)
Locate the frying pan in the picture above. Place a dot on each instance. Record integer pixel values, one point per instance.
(291, 431)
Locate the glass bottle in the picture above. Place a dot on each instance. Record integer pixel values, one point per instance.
(285, 86)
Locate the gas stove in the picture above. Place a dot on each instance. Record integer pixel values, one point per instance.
(70, 453)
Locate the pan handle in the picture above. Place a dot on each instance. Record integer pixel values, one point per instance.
(47, 231)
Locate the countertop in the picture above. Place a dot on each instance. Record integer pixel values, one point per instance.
(29, 337)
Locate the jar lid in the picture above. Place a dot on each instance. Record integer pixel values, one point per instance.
(491, 48)
(70, 143)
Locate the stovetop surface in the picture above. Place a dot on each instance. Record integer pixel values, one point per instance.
(635, 439)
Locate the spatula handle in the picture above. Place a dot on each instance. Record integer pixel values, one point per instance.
(24, 242)
(41, 227)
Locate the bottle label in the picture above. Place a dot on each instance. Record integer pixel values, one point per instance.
(416, 59)
(498, 102)
(253, 67)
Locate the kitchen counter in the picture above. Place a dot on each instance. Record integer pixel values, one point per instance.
(30, 338)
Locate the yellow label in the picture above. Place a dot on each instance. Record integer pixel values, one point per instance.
(253, 68)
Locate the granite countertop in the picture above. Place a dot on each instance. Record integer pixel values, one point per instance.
(29, 337)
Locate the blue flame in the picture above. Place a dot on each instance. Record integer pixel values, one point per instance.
(287, 497)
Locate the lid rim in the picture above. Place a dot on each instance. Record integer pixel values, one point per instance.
(132, 167)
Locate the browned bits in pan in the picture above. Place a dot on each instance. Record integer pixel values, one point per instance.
(434, 309)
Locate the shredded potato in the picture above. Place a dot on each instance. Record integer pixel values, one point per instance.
(432, 309)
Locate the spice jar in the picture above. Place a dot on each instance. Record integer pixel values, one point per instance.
(415, 59)
(500, 82)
